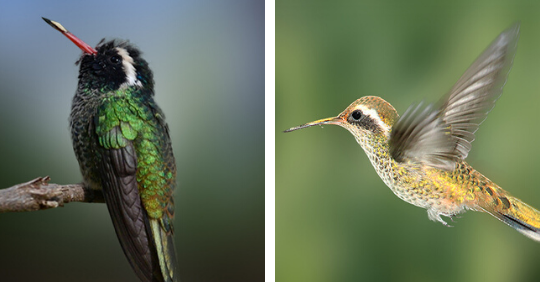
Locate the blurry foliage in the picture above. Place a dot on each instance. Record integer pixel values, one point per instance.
(335, 219)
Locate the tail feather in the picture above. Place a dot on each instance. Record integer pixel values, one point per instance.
(164, 241)
(516, 214)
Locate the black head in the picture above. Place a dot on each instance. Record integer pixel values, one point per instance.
(116, 64)
(111, 65)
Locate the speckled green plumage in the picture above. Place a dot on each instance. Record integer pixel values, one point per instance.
(443, 192)
(138, 123)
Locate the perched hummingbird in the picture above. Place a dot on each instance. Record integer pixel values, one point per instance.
(421, 155)
(123, 147)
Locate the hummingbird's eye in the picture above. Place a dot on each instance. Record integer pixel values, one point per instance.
(356, 115)
(115, 59)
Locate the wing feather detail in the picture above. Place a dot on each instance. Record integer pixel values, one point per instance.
(121, 194)
(441, 136)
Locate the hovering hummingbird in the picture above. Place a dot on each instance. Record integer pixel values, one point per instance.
(123, 147)
(421, 155)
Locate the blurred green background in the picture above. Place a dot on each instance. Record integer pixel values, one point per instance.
(335, 219)
(208, 63)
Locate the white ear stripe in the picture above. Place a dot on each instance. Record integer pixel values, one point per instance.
(129, 69)
(375, 116)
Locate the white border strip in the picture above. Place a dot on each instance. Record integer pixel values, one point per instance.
(270, 140)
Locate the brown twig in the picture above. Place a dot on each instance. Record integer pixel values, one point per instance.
(38, 194)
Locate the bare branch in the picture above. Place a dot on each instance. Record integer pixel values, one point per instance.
(38, 194)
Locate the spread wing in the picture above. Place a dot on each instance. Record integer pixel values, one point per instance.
(440, 136)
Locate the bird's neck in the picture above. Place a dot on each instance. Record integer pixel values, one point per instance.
(377, 149)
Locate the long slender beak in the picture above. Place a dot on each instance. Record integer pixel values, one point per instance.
(332, 120)
(81, 44)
